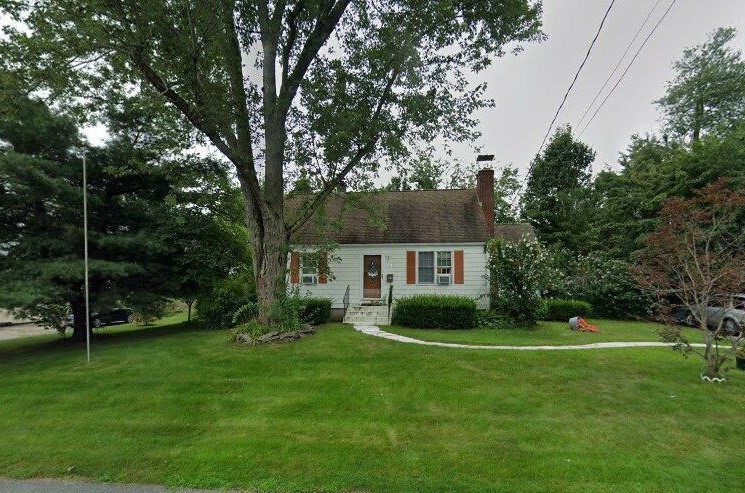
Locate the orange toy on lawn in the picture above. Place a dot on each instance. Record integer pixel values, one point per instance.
(580, 324)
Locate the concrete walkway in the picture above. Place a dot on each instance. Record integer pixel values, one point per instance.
(375, 331)
(59, 486)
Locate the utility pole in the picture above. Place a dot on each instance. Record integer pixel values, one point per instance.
(85, 256)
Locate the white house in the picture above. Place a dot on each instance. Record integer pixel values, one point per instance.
(397, 244)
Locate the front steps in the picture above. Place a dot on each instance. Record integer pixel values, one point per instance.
(367, 315)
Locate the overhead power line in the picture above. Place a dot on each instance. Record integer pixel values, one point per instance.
(627, 67)
(576, 75)
(618, 63)
(566, 94)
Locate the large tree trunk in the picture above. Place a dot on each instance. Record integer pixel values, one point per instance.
(78, 311)
(270, 263)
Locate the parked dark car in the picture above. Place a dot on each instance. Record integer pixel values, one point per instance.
(111, 317)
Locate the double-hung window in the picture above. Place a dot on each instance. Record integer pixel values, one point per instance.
(435, 267)
(309, 268)
(444, 267)
(426, 267)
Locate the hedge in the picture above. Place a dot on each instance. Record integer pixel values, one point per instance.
(435, 312)
(315, 311)
(562, 310)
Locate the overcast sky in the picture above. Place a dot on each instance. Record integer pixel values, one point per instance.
(528, 87)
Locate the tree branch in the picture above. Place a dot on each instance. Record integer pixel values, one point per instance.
(316, 39)
(354, 161)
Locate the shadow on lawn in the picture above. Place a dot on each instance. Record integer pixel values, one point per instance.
(25, 347)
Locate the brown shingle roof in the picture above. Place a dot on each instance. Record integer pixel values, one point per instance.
(419, 216)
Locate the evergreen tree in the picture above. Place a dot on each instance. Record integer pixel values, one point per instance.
(144, 219)
(558, 200)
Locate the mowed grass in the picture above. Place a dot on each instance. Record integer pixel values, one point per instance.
(342, 411)
(548, 333)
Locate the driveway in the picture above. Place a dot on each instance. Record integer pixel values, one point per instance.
(17, 331)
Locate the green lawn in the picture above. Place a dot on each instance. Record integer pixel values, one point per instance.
(342, 411)
(546, 333)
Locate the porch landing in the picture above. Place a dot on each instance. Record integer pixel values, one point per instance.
(367, 315)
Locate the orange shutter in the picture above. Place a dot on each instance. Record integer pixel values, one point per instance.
(458, 264)
(410, 267)
(323, 268)
(295, 268)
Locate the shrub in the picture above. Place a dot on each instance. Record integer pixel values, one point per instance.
(489, 319)
(563, 310)
(518, 272)
(603, 282)
(245, 313)
(315, 311)
(435, 311)
(215, 309)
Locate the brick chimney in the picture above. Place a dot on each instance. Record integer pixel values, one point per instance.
(485, 192)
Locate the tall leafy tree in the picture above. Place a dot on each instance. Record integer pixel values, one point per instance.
(341, 83)
(558, 201)
(653, 170)
(708, 92)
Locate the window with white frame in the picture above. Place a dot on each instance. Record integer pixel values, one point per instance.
(309, 268)
(435, 267)
(444, 264)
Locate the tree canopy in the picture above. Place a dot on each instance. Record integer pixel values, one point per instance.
(708, 92)
(557, 201)
(334, 86)
(143, 218)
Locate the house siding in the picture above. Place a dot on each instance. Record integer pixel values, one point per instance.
(345, 264)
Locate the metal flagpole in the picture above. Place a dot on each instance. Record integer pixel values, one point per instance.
(85, 255)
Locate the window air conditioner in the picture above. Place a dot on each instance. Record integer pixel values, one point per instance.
(443, 279)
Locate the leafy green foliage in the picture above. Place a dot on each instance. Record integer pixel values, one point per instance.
(562, 310)
(708, 93)
(518, 272)
(251, 328)
(506, 187)
(216, 308)
(245, 313)
(435, 311)
(315, 311)
(157, 228)
(653, 170)
(284, 314)
(603, 282)
(558, 201)
(344, 86)
(51, 316)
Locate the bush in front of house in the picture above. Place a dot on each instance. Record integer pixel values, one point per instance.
(315, 311)
(603, 282)
(435, 312)
(517, 273)
(217, 307)
(562, 310)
